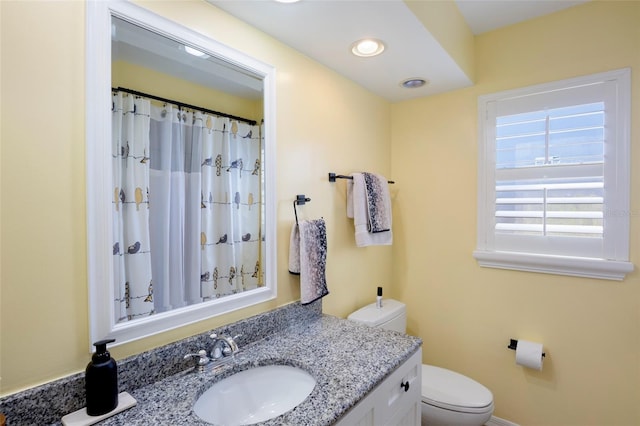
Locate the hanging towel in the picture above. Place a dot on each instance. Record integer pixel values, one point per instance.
(308, 258)
(370, 208)
(378, 205)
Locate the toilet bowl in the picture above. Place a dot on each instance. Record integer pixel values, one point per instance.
(448, 398)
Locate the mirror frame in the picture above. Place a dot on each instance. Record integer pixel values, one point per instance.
(99, 175)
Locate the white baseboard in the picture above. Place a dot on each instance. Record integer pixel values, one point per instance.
(497, 421)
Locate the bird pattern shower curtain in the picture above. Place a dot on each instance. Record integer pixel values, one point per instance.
(187, 206)
(133, 292)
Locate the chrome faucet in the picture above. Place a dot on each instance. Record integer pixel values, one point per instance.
(223, 346)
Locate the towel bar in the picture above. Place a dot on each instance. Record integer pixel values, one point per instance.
(333, 177)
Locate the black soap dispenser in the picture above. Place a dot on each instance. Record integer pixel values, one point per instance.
(101, 381)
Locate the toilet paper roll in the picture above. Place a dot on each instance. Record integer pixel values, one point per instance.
(529, 354)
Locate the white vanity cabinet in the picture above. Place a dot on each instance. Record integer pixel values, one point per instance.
(394, 402)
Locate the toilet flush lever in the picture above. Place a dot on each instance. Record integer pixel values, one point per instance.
(405, 385)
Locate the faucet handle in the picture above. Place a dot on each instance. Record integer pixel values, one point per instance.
(233, 346)
(203, 359)
(228, 339)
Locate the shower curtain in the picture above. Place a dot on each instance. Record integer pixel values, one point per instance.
(231, 230)
(200, 229)
(130, 205)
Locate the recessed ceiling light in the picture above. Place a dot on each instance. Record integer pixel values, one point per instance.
(367, 47)
(414, 83)
(287, 1)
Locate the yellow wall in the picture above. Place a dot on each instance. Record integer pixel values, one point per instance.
(324, 123)
(467, 314)
(445, 22)
(142, 79)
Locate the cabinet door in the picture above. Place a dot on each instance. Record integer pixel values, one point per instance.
(409, 415)
(403, 394)
(403, 390)
(394, 402)
(360, 415)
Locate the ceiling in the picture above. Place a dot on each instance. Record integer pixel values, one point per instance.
(487, 15)
(325, 29)
(137, 45)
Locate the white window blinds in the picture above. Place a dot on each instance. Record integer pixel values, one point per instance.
(553, 166)
(549, 175)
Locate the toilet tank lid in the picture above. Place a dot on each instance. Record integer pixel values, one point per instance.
(373, 316)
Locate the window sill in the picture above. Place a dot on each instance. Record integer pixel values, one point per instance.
(559, 265)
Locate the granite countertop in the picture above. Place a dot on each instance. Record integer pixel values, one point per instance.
(347, 360)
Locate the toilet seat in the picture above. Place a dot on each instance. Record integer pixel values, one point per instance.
(453, 391)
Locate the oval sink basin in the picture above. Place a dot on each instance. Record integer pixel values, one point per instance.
(254, 395)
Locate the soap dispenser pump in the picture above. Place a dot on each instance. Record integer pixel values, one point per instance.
(101, 381)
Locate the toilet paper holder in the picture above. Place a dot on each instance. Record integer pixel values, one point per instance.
(513, 345)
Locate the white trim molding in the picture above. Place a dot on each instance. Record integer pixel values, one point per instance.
(559, 265)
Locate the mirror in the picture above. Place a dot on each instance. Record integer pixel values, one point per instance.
(162, 79)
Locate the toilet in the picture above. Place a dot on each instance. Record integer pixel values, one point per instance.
(448, 398)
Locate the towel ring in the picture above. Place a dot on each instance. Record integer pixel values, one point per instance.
(300, 200)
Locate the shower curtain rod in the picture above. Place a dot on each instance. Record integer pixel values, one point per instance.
(182, 104)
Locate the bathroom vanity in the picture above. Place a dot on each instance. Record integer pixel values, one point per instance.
(361, 375)
(347, 361)
(395, 401)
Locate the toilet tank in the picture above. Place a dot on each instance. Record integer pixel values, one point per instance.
(392, 315)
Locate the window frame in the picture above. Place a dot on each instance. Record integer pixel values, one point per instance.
(613, 263)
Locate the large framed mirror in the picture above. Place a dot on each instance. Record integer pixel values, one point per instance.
(180, 175)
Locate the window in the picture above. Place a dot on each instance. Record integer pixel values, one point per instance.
(553, 192)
